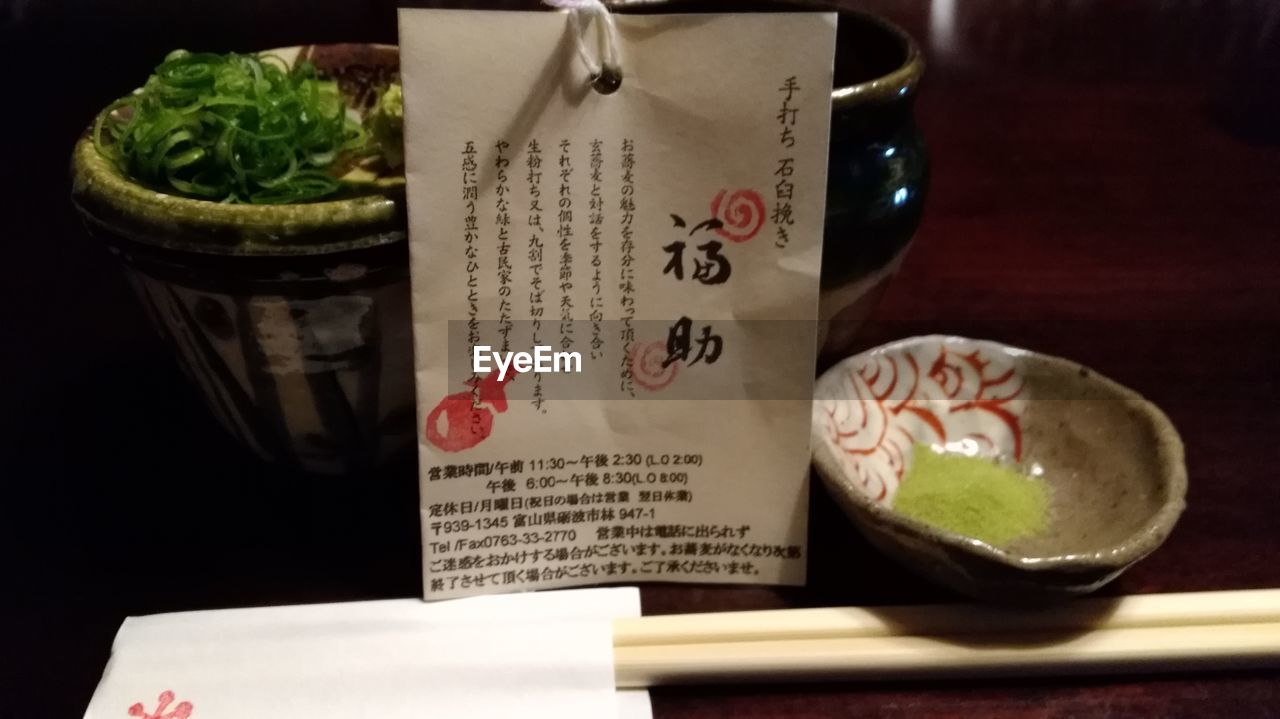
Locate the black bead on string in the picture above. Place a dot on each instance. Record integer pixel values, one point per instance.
(608, 80)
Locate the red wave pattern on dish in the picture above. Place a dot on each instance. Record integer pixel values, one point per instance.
(181, 711)
(888, 405)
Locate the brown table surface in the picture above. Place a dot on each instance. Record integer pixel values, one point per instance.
(1106, 186)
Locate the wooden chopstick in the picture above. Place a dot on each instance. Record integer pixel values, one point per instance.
(1152, 632)
(1144, 649)
(1134, 611)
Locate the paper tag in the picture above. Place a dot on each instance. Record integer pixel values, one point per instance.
(669, 234)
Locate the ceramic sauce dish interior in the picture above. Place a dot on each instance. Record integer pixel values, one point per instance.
(1112, 461)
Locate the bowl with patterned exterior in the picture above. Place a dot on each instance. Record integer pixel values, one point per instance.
(292, 320)
(1112, 461)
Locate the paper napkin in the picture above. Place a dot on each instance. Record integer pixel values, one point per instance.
(548, 654)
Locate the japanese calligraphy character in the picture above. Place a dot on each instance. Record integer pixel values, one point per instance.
(702, 271)
(680, 344)
(791, 87)
(714, 269)
(787, 138)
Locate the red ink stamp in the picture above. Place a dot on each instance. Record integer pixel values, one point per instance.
(647, 368)
(181, 711)
(462, 420)
(741, 215)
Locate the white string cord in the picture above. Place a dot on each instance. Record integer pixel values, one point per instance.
(607, 59)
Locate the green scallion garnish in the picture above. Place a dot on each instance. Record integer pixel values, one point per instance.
(231, 128)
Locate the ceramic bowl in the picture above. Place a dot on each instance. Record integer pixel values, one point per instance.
(1112, 460)
(292, 320)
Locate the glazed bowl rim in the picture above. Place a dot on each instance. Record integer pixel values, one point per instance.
(97, 177)
(899, 83)
(1172, 476)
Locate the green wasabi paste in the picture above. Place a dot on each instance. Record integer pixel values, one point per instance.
(972, 496)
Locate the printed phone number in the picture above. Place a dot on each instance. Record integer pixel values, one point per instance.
(510, 539)
(486, 524)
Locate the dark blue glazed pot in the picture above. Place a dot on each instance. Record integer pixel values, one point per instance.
(877, 175)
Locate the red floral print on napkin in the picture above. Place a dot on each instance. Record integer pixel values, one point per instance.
(181, 711)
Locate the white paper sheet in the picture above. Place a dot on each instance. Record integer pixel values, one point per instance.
(526, 655)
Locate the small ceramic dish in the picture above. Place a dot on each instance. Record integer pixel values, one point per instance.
(1112, 460)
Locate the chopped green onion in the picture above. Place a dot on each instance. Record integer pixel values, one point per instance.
(232, 128)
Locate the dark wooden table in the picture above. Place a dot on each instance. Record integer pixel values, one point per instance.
(1106, 186)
